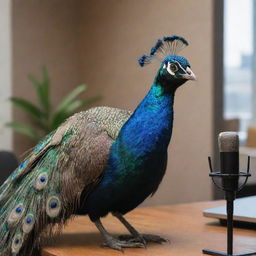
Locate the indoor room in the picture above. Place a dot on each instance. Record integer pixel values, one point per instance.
(127, 125)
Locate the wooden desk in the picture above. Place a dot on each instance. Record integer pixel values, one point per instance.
(184, 225)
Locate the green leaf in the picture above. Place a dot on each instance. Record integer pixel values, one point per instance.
(36, 84)
(45, 89)
(60, 116)
(24, 129)
(28, 107)
(42, 89)
(77, 104)
(62, 111)
(90, 101)
(58, 120)
(71, 96)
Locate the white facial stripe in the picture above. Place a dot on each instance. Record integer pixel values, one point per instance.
(164, 66)
(169, 70)
(181, 66)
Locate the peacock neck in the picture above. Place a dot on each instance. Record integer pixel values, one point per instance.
(150, 126)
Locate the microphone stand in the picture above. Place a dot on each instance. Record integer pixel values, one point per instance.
(230, 195)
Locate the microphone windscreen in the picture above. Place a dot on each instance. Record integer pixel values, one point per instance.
(228, 142)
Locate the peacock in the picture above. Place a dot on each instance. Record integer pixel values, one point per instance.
(103, 160)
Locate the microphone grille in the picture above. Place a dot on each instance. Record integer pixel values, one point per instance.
(228, 142)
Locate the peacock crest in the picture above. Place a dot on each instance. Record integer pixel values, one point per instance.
(163, 48)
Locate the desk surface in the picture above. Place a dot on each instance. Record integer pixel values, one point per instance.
(188, 231)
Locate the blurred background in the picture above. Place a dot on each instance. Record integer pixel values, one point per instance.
(67, 43)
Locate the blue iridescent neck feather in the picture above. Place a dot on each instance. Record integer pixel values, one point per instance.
(152, 120)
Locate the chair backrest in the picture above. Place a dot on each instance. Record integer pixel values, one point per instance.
(8, 163)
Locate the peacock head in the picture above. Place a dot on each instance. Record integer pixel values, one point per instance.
(174, 70)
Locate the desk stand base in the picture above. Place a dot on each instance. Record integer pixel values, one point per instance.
(210, 252)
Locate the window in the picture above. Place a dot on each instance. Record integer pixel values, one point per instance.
(238, 61)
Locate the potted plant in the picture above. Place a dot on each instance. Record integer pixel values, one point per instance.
(43, 116)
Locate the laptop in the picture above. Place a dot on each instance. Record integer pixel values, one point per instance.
(244, 210)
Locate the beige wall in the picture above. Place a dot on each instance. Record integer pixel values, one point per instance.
(44, 33)
(114, 34)
(5, 74)
(99, 42)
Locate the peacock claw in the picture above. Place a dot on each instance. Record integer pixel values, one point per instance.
(144, 238)
(120, 244)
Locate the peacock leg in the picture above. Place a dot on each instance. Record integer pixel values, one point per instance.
(114, 243)
(135, 235)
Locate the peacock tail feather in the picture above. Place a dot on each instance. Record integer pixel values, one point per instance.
(44, 191)
(31, 199)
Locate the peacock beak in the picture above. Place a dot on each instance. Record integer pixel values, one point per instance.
(189, 75)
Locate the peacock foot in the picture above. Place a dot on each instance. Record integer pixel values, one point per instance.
(144, 238)
(116, 244)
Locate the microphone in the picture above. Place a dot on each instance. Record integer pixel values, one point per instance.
(229, 160)
(229, 174)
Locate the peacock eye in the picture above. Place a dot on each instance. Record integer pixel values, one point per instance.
(173, 67)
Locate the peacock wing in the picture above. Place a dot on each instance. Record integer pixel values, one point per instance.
(85, 166)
